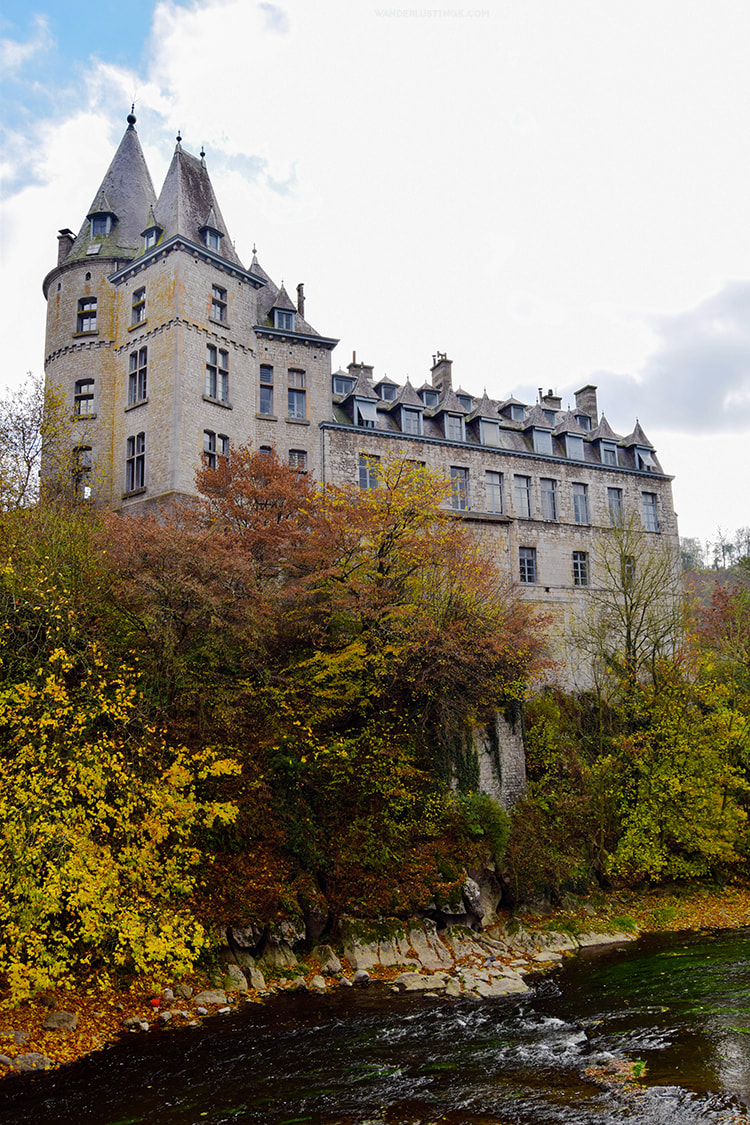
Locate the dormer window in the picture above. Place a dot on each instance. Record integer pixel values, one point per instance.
(543, 442)
(490, 432)
(151, 237)
(574, 447)
(466, 402)
(583, 421)
(342, 385)
(550, 416)
(454, 427)
(429, 398)
(609, 453)
(283, 320)
(387, 392)
(365, 413)
(100, 225)
(411, 420)
(644, 459)
(211, 237)
(517, 412)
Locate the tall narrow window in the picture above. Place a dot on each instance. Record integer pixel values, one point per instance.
(135, 463)
(411, 420)
(549, 498)
(574, 447)
(454, 427)
(86, 320)
(459, 489)
(218, 303)
(296, 394)
(650, 511)
(84, 397)
(580, 568)
(581, 503)
(543, 442)
(493, 483)
(138, 376)
(82, 464)
(522, 496)
(627, 566)
(266, 388)
(614, 501)
(138, 307)
(298, 460)
(369, 470)
(217, 373)
(609, 453)
(527, 564)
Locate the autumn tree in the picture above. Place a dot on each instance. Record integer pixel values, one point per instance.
(37, 448)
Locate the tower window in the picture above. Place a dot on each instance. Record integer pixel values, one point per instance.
(218, 303)
(580, 568)
(522, 489)
(86, 321)
(266, 388)
(138, 309)
(135, 463)
(100, 225)
(283, 320)
(212, 238)
(369, 470)
(138, 376)
(151, 237)
(527, 564)
(650, 511)
(84, 397)
(217, 373)
(549, 498)
(581, 503)
(82, 463)
(459, 489)
(494, 486)
(296, 395)
(214, 446)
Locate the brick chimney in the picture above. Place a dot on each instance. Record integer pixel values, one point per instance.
(65, 240)
(586, 403)
(442, 372)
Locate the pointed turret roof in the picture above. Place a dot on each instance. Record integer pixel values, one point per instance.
(187, 204)
(126, 193)
(406, 396)
(485, 408)
(603, 432)
(569, 424)
(282, 300)
(538, 418)
(637, 437)
(447, 404)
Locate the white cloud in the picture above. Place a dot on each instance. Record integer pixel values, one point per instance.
(14, 55)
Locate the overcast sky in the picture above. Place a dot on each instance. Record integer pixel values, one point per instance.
(551, 193)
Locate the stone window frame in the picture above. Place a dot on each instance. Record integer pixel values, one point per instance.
(522, 496)
(217, 373)
(138, 306)
(135, 462)
(580, 568)
(581, 512)
(650, 511)
(87, 314)
(493, 484)
(549, 499)
(83, 397)
(369, 471)
(219, 304)
(459, 478)
(138, 376)
(527, 569)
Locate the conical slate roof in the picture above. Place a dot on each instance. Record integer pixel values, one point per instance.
(187, 204)
(603, 432)
(485, 408)
(569, 424)
(538, 418)
(282, 300)
(406, 396)
(637, 437)
(126, 193)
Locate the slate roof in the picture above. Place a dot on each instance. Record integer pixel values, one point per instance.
(603, 432)
(126, 192)
(282, 300)
(270, 296)
(637, 437)
(485, 408)
(569, 424)
(406, 396)
(537, 418)
(187, 201)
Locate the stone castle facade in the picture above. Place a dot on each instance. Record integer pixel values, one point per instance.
(167, 348)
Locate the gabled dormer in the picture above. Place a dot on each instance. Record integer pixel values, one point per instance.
(538, 429)
(408, 410)
(360, 404)
(429, 395)
(512, 409)
(642, 450)
(485, 421)
(466, 400)
(572, 436)
(209, 231)
(386, 389)
(606, 441)
(450, 415)
(152, 232)
(102, 216)
(283, 314)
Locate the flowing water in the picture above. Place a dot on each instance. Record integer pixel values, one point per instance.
(677, 1005)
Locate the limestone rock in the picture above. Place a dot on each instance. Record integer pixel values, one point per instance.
(585, 940)
(6, 1061)
(61, 1021)
(32, 1061)
(452, 987)
(554, 942)
(257, 980)
(329, 963)
(299, 984)
(361, 977)
(318, 983)
(421, 982)
(211, 996)
(185, 991)
(279, 954)
(472, 897)
(235, 980)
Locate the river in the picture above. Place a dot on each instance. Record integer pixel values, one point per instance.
(677, 1006)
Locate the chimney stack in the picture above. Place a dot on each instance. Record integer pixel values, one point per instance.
(65, 240)
(301, 298)
(586, 403)
(441, 372)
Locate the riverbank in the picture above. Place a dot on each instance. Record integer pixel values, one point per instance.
(487, 964)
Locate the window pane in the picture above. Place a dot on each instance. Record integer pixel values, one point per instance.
(459, 489)
(523, 497)
(549, 499)
(494, 487)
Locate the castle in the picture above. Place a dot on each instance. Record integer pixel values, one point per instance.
(167, 348)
